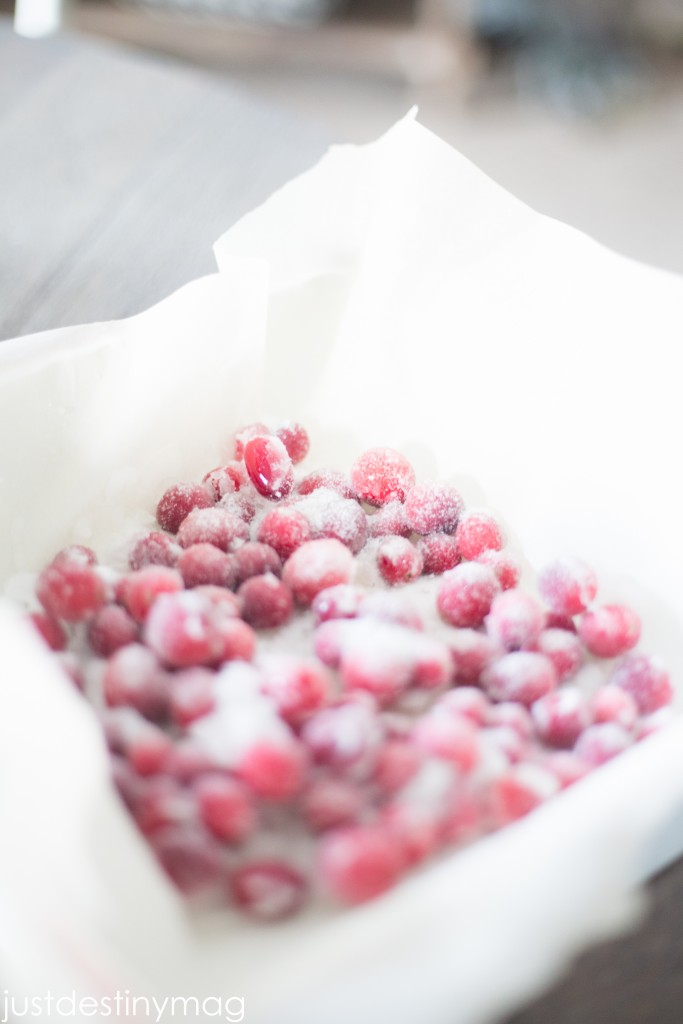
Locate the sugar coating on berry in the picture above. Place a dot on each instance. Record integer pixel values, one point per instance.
(390, 607)
(330, 515)
(471, 652)
(332, 479)
(477, 531)
(439, 553)
(154, 548)
(328, 803)
(71, 590)
(177, 502)
(219, 482)
(645, 679)
(609, 630)
(273, 771)
(564, 650)
(50, 630)
(191, 695)
(560, 717)
(316, 565)
(519, 791)
(269, 467)
(359, 863)
(522, 676)
(226, 807)
(466, 593)
(78, 553)
(397, 763)
(433, 507)
(212, 526)
(268, 890)
(450, 737)
(612, 704)
(266, 601)
(342, 601)
(382, 474)
(133, 678)
(465, 701)
(295, 439)
(600, 743)
(110, 628)
(180, 629)
(398, 560)
(299, 686)
(389, 519)
(568, 586)
(505, 566)
(244, 434)
(255, 559)
(205, 564)
(511, 715)
(139, 590)
(284, 529)
(192, 862)
(515, 620)
(344, 736)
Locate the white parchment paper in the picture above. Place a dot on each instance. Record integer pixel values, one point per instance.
(391, 295)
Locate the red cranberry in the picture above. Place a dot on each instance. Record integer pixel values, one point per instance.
(225, 480)
(433, 508)
(274, 771)
(568, 586)
(316, 565)
(329, 803)
(506, 742)
(463, 819)
(342, 601)
(561, 717)
(297, 685)
(187, 761)
(439, 553)
(110, 628)
(187, 856)
(612, 704)
(609, 630)
(241, 504)
(466, 702)
(139, 590)
(359, 862)
(204, 564)
(343, 736)
(266, 602)
(134, 678)
(509, 715)
(450, 737)
(329, 515)
(477, 531)
(382, 474)
(75, 553)
(329, 478)
(255, 559)
(555, 621)
(235, 640)
(269, 467)
(564, 650)
(397, 763)
(471, 653)
(398, 560)
(515, 620)
(154, 548)
(177, 502)
(284, 529)
(192, 695)
(415, 828)
(600, 743)
(389, 519)
(225, 807)
(521, 676)
(295, 439)
(268, 890)
(212, 526)
(224, 600)
(71, 590)
(245, 434)
(180, 629)
(518, 792)
(645, 679)
(466, 594)
(50, 630)
(566, 766)
(328, 641)
(505, 566)
(160, 802)
(148, 749)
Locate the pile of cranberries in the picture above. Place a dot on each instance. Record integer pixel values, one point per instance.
(313, 682)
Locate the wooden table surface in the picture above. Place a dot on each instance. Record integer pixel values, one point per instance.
(117, 173)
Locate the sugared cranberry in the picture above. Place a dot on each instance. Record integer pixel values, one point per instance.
(244, 434)
(515, 620)
(600, 743)
(284, 529)
(146, 747)
(645, 679)
(268, 890)
(466, 702)
(255, 559)
(329, 803)
(158, 802)
(316, 565)
(397, 763)
(275, 771)
(269, 467)
(330, 515)
(295, 439)
(133, 678)
(609, 630)
(342, 601)
(433, 507)
(389, 519)
(451, 737)
(266, 601)
(225, 480)
(505, 566)
(204, 564)
(139, 590)
(560, 717)
(612, 704)
(187, 761)
(80, 554)
(555, 621)
(439, 553)
(71, 590)
(177, 502)
(110, 628)
(50, 630)
(568, 586)
(390, 607)
(477, 531)
(564, 650)
(235, 640)
(328, 642)
(181, 630)
(154, 548)
(191, 695)
(332, 479)
(466, 594)
(518, 792)
(189, 858)
(242, 504)
(220, 598)
(509, 715)
(382, 474)
(226, 807)
(398, 560)
(521, 676)
(359, 863)
(212, 526)
(344, 736)
(471, 653)
(566, 766)
(416, 829)
(298, 686)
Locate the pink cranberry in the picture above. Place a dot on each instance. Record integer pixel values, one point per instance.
(612, 704)
(316, 565)
(145, 746)
(275, 771)
(477, 531)
(416, 829)
(382, 474)
(266, 601)
(518, 792)
(212, 526)
(139, 590)
(295, 439)
(226, 807)
(560, 717)
(50, 630)
(297, 685)
(564, 650)
(160, 803)
(433, 508)
(382, 669)
(110, 628)
(329, 478)
(330, 515)
(225, 480)
(505, 566)
(568, 586)
(154, 548)
(177, 502)
(439, 553)
(463, 818)
(71, 590)
(450, 737)
(222, 599)
(328, 803)
(609, 630)
(284, 529)
(389, 519)
(566, 766)
(192, 695)
(235, 639)
(471, 653)
(268, 890)
(204, 564)
(509, 715)
(187, 761)
(390, 607)
(521, 676)
(269, 467)
(515, 620)
(506, 742)
(645, 679)
(181, 630)
(242, 504)
(134, 678)
(78, 553)
(342, 601)
(192, 862)
(555, 621)
(255, 559)
(398, 560)
(465, 702)
(359, 862)
(343, 736)
(600, 743)
(466, 594)
(328, 641)
(397, 763)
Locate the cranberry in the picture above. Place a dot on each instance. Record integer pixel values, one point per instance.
(477, 531)
(180, 629)
(268, 890)
(158, 803)
(224, 600)
(389, 519)
(517, 792)
(509, 715)
(71, 590)
(255, 559)
(466, 594)
(177, 502)
(139, 590)
(328, 641)
(390, 607)
(600, 743)
(612, 704)
(75, 553)
(450, 737)
(295, 439)
(555, 621)
(359, 862)
(226, 807)
(342, 601)
(645, 679)
(266, 601)
(343, 736)
(242, 504)
(154, 548)
(192, 695)
(134, 678)
(212, 526)
(568, 586)
(398, 560)
(298, 686)
(521, 676)
(515, 620)
(564, 650)
(235, 640)
(505, 566)
(466, 702)
(269, 467)
(506, 742)
(415, 828)
(203, 564)
(330, 515)
(439, 553)
(397, 763)
(329, 478)
(275, 771)
(147, 748)
(110, 628)
(566, 766)
(50, 630)
(609, 630)
(382, 474)
(463, 819)
(383, 668)
(328, 803)
(471, 653)
(189, 858)
(561, 717)
(187, 761)
(316, 565)
(225, 480)
(433, 508)
(245, 434)
(284, 529)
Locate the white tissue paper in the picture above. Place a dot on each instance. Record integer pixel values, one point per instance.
(392, 295)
